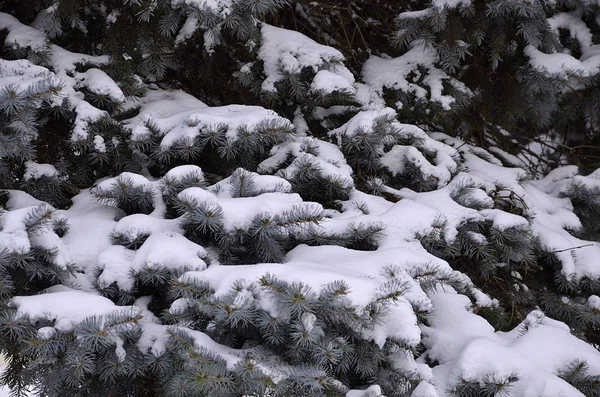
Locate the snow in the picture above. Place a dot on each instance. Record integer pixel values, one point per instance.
(261, 184)
(425, 389)
(115, 265)
(188, 29)
(146, 224)
(593, 302)
(418, 14)
(590, 52)
(463, 343)
(34, 170)
(171, 250)
(394, 73)
(564, 63)
(329, 158)
(154, 339)
(466, 346)
(326, 167)
(477, 167)
(316, 275)
(85, 113)
(555, 63)
(332, 154)
(14, 235)
(239, 212)
(24, 36)
(188, 124)
(454, 326)
(66, 306)
(362, 121)
(88, 236)
(4, 390)
(287, 51)
(166, 249)
(395, 161)
(125, 177)
(15, 241)
(159, 104)
(18, 199)
(375, 391)
(176, 174)
(100, 83)
(327, 82)
(64, 60)
(577, 28)
(502, 220)
(447, 209)
(24, 74)
(451, 3)
(217, 6)
(51, 242)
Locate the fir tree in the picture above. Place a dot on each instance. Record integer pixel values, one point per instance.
(205, 199)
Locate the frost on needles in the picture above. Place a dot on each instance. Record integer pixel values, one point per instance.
(199, 199)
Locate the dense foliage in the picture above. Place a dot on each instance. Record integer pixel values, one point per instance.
(276, 198)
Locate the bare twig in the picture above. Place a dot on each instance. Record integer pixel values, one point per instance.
(572, 248)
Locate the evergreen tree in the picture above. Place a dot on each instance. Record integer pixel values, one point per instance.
(526, 63)
(197, 201)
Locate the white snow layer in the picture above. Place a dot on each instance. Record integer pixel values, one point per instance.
(34, 170)
(563, 63)
(288, 51)
(68, 307)
(22, 35)
(100, 83)
(402, 73)
(180, 121)
(163, 249)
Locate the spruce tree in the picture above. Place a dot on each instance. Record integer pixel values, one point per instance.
(229, 198)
